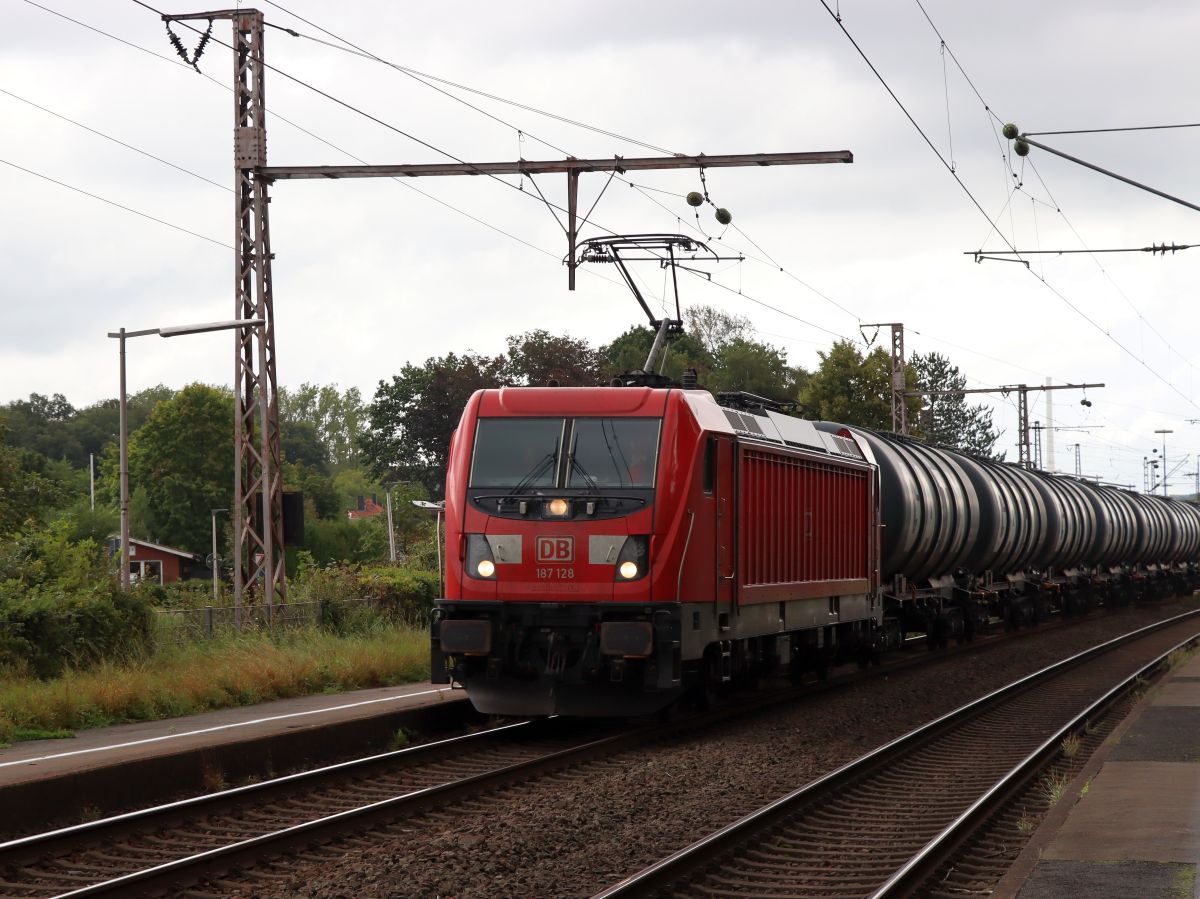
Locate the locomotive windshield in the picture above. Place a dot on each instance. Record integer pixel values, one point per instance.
(584, 453)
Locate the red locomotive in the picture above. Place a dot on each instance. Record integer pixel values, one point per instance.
(608, 547)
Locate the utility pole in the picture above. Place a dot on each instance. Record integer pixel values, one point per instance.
(899, 384)
(1052, 462)
(391, 528)
(1078, 464)
(1024, 446)
(257, 482)
(1037, 446)
(1164, 432)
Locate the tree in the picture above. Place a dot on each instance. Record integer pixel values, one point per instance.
(629, 351)
(714, 330)
(181, 459)
(854, 389)
(412, 418)
(948, 420)
(537, 356)
(26, 493)
(337, 417)
(753, 367)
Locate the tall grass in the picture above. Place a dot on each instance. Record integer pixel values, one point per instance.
(231, 671)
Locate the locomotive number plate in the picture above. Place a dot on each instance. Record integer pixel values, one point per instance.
(555, 574)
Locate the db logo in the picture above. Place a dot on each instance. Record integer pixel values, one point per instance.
(556, 549)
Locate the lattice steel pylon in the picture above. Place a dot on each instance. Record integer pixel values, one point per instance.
(257, 511)
(258, 525)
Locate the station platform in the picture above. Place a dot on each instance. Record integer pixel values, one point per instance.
(1135, 831)
(113, 768)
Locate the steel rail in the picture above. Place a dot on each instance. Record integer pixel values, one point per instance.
(706, 851)
(53, 841)
(942, 847)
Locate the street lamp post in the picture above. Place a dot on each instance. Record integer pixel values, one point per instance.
(121, 335)
(216, 559)
(1164, 432)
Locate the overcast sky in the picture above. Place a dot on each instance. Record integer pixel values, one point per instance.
(370, 274)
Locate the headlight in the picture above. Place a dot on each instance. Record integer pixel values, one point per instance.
(480, 562)
(633, 562)
(558, 507)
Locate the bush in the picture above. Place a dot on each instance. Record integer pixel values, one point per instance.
(407, 592)
(47, 632)
(397, 593)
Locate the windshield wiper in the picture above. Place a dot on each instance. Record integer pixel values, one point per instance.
(534, 473)
(591, 481)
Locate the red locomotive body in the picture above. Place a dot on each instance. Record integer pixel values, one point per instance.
(609, 547)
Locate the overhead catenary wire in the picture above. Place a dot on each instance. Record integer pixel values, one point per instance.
(1074, 307)
(115, 140)
(358, 50)
(130, 209)
(276, 114)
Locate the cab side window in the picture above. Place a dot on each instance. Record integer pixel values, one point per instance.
(710, 465)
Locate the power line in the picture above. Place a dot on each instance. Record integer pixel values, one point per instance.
(977, 205)
(359, 51)
(122, 143)
(145, 215)
(313, 135)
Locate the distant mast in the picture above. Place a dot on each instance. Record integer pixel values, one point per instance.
(1050, 460)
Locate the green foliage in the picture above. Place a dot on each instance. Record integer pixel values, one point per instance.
(47, 632)
(334, 540)
(948, 420)
(853, 389)
(47, 559)
(714, 330)
(412, 418)
(399, 593)
(52, 427)
(181, 459)
(26, 492)
(753, 367)
(86, 523)
(629, 351)
(335, 417)
(301, 445)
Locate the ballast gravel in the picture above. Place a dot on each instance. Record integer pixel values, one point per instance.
(575, 833)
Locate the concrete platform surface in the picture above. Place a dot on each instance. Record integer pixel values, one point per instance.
(1134, 833)
(102, 746)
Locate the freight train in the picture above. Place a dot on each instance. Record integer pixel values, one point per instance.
(610, 549)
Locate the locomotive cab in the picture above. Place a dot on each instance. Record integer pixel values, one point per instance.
(551, 497)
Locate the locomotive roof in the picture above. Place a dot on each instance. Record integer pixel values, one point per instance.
(770, 427)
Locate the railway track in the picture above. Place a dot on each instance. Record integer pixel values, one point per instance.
(884, 824)
(168, 847)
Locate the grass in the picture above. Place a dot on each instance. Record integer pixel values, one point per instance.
(1070, 745)
(1053, 786)
(232, 671)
